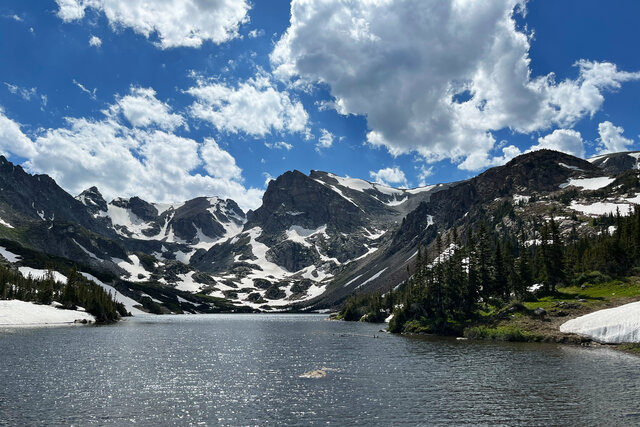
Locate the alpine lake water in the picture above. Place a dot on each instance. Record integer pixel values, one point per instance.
(248, 370)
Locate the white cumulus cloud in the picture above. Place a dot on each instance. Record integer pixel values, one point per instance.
(141, 108)
(325, 140)
(388, 176)
(219, 163)
(125, 160)
(566, 140)
(255, 107)
(611, 139)
(280, 145)
(175, 22)
(12, 139)
(95, 41)
(435, 77)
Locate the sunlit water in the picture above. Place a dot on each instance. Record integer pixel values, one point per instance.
(245, 370)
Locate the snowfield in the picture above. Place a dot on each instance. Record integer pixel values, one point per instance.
(589, 183)
(602, 208)
(40, 274)
(612, 326)
(9, 256)
(21, 313)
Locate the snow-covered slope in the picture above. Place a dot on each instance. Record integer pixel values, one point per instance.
(611, 326)
(200, 222)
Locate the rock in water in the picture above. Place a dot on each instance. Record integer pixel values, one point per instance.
(315, 374)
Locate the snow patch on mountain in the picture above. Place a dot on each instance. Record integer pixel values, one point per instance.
(163, 207)
(259, 250)
(187, 283)
(9, 256)
(395, 201)
(5, 223)
(40, 274)
(352, 280)
(352, 183)
(375, 234)
(372, 278)
(299, 234)
(86, 251)
(602, 208)
(370, 250)
(125, 218)
(337, 190)
(588, 183)
(519, 198)
(418, 190)
(137, 272)
(575, 168)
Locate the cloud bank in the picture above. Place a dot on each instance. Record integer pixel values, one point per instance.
(433, 77)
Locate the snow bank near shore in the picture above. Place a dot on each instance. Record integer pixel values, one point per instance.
(21, 313)
(611, 326)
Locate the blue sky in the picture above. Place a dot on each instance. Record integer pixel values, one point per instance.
(213, 98)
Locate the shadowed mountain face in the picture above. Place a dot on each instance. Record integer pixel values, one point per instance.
(616, 163)
(296, 199)
(316, 238)
(25, 197)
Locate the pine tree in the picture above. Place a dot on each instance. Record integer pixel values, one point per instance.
(525, 276)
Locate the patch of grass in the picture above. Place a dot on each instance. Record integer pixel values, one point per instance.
(610, 290)
(630, 348)
(594, 294)
(500, 333)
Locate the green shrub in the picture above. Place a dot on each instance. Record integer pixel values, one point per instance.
(500, 333)
(592, 277)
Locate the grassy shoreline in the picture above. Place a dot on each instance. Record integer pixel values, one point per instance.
(540, 320)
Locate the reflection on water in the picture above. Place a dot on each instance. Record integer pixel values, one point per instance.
(246, 369)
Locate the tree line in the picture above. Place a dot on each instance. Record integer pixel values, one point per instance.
(77, 292)
(487, 268)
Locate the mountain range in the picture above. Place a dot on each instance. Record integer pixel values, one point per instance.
(316, 239)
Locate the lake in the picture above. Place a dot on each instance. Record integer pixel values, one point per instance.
(246, 370)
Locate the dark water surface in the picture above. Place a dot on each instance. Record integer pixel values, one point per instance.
(245, 370)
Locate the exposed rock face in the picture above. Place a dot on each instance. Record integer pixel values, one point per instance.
(93, 200)
(38, 197)
(222, 257)
(292, 256)
(539, 171)
(616, 163)
(143, 210)
(193, 219)
(296, 199)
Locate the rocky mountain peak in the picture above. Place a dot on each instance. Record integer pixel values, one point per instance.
(296, 199)
(93, 200)
(142, 209)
